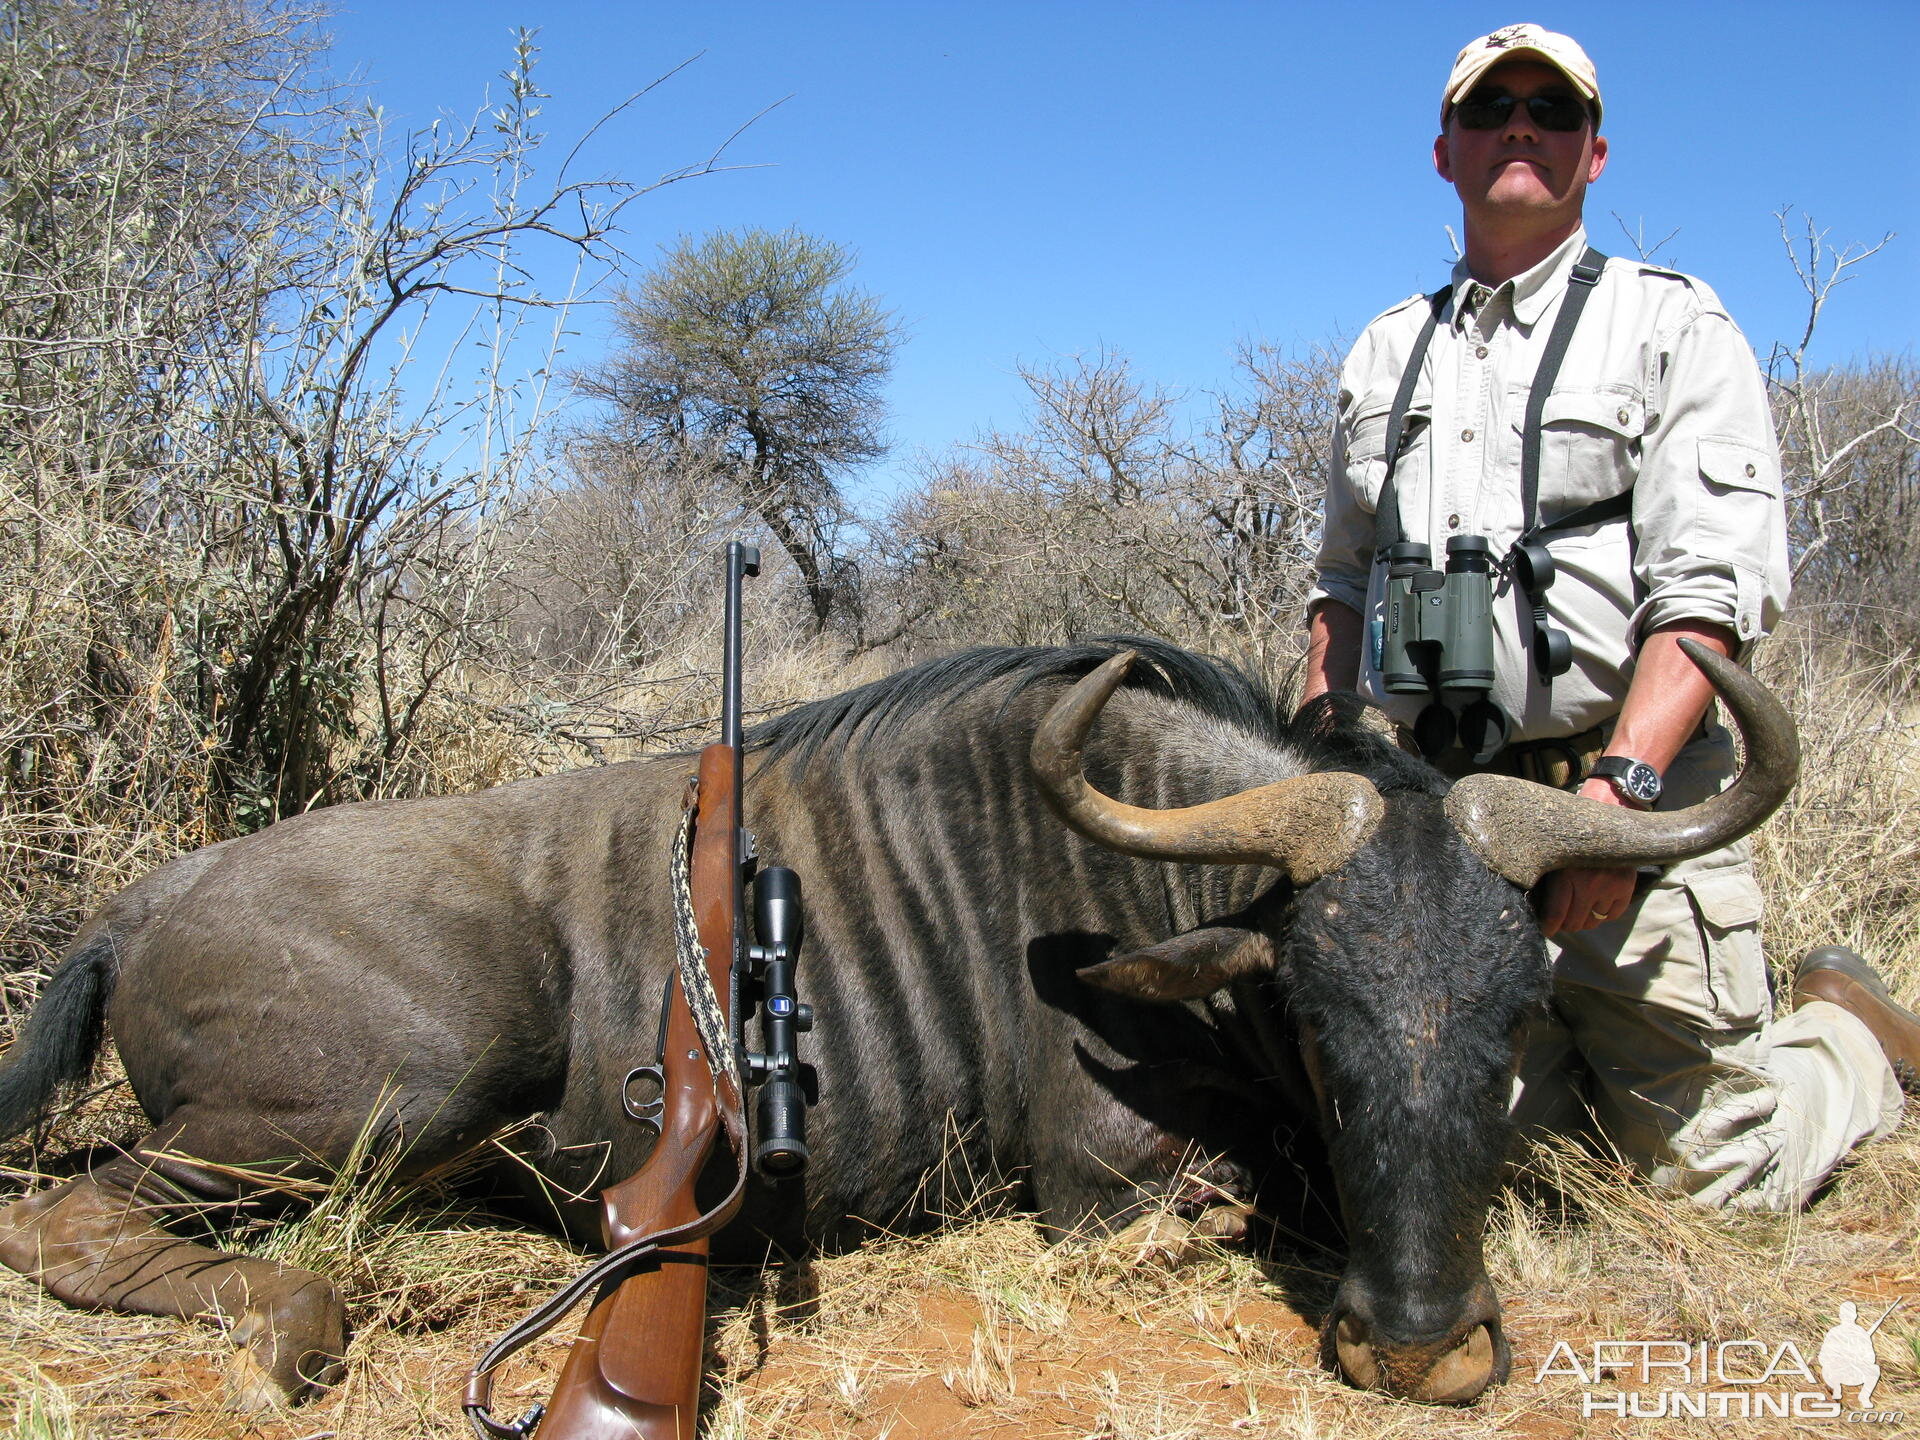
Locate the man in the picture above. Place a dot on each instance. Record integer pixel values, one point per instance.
(1655, 453)
(1847, 1356)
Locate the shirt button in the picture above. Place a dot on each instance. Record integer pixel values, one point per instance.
(1751, 472)
(1466, 435)
(1480, 352)
(1623, 417)
(1453, 522)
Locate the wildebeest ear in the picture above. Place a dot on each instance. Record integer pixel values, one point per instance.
(1187, 966)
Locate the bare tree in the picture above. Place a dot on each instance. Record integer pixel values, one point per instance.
(1113, 510)
(1850, 448)
(237, 560)
(609, 568)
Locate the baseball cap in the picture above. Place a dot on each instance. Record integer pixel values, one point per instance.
(1522, 42)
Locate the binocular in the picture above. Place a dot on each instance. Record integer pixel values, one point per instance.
(1438, 640)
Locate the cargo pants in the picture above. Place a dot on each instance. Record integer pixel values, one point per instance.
(1661, 1030)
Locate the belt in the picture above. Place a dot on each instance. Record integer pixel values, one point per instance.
(1561, 761)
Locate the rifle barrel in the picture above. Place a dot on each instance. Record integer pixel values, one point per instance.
(742, 560)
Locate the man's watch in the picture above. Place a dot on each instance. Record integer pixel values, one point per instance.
(1634, 780)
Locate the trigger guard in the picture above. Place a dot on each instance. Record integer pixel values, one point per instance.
(647, 1112)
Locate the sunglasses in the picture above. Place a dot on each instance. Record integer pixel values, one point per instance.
(1490, 111)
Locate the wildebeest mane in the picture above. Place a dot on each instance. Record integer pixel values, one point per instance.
(1329, 733)
(1332, 733)
(1214, 687)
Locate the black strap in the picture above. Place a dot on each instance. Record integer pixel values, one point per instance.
(1614, 507)
(1387, 529)
(1581, 283)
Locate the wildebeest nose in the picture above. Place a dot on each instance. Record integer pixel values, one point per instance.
(1455, 1375)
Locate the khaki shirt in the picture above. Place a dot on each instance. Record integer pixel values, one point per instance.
(1658, 393)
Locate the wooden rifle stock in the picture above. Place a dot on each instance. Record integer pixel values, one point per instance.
(634, 1371)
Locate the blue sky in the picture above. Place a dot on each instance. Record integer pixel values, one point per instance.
(1027, 181)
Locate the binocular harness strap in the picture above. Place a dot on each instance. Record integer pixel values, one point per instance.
(1580, 285)
(1387, 527)
(1529, 563)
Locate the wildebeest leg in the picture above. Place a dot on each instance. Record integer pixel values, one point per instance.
(97, 1242)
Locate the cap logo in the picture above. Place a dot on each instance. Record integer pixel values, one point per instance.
(1503, 39)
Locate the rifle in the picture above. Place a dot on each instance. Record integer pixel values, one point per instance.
(633, 1372)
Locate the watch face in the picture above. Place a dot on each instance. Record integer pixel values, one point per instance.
(1642, 782)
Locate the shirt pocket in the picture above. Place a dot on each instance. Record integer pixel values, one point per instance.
(1589, 447)
(1740, 490)
(1367, 448)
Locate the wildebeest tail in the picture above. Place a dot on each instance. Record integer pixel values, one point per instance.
(57, 1043)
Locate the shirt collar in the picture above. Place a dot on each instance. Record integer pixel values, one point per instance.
(1531, 291)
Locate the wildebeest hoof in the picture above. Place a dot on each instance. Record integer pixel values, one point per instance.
(250, 1390)
(291, 1349)
(1225, 1224)
(21, 1244)
(1164, 1238)
(1156, 1238)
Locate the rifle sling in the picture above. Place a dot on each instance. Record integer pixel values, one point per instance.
(619, 1264)
(611, 1268)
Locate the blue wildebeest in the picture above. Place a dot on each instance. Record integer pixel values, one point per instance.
(1234, 899)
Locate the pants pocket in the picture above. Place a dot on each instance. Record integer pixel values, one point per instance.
(1726, 906)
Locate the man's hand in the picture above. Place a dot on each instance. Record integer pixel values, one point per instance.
(1664, 703)
(1571, 900)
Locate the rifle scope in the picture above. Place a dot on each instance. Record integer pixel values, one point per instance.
(780, 1149)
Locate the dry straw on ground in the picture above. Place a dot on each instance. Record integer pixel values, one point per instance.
(985, 1330)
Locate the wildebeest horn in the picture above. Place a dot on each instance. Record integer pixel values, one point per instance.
(1305, 826)
(1523, 830)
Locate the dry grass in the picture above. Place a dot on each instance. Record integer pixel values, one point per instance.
(984, 1330)
(1841, 862)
